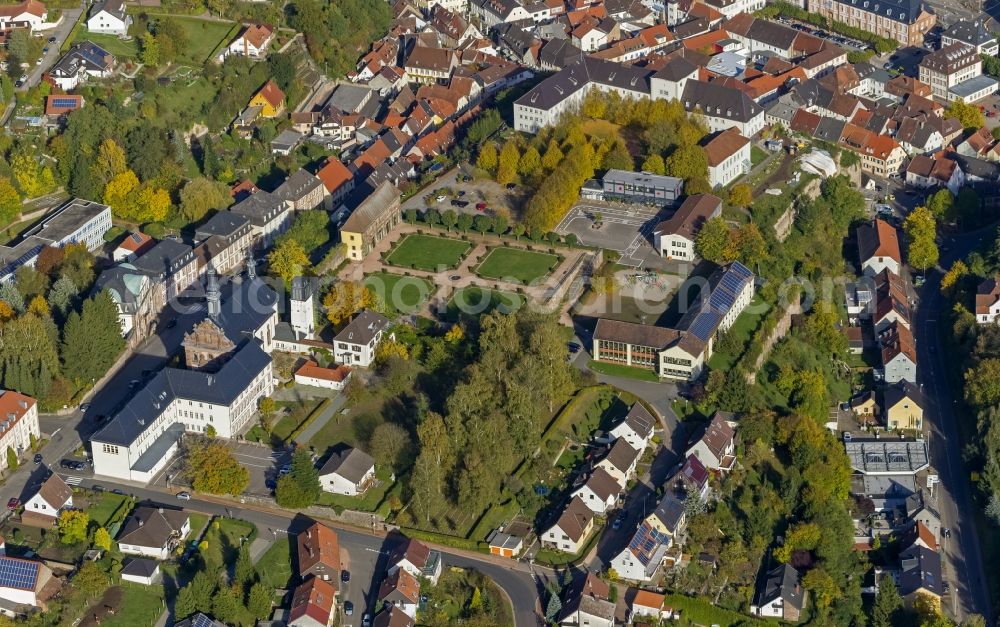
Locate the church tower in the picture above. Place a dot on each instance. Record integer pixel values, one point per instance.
(303, 316)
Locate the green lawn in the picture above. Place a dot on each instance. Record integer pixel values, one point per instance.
(298, 412)
(428, 252)
(757, 154)
(739, 335)
(224, 541)
(618, 370)
(203, 38)
(401, 294)
(474, 301)
(121, 49)
(559, 558)
(275, 566)
(104, 506)
(141, 605)
(701, 611)
(524, 266)
(198, 522)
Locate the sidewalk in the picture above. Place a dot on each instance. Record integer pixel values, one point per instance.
(320, 421)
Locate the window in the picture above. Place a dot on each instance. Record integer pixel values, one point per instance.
(110, 449)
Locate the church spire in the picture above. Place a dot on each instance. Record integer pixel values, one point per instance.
(251, 266)
(213, 294)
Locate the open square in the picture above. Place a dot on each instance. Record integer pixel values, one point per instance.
(402, 294)
(427, 252)
(525, 266)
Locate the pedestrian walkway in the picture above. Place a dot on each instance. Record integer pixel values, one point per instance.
(320, 421)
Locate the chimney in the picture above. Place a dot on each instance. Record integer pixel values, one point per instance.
(141, 523)
(160, 509)
(23, 403)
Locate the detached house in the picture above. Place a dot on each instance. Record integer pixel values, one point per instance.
(318, 551)
(674, 238)
(620, 461)
(153, 532)
(415, 558)
(570, 532)
(920, 573)
(988, 301)
(84, 60)
(44, 507)
(30, 14)
(878, 248)
(904, 406)
(109, 17)
(636, 428)
(728, 155)
(348, 471)
(253, 42)
(780, 594)
(23, 584)
(600, 491)
(355, 344)
(313, 604)
(270, 99)
(586, 604)
(899, 353)
(642, 558)
(717, 447)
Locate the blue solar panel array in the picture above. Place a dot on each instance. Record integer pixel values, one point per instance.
(645, 542)
(64, 103)
(200, 620)
(720, 300)
(15, 573)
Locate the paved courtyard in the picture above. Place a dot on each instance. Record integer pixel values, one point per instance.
(627, 229)
(262, 463)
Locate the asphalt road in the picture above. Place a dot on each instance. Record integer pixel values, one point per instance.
(61, 32)
(963, 558)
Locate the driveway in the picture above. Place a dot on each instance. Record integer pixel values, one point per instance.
(48, 59)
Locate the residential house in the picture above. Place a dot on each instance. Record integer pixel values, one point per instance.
(301, 191)
(918, 135)
(138, 300)
(348, 471)
(270, 99)
(906, 21)
(393, 616)
(252, 42)
(415, 558)
(84, 60)
(899, 353)
(30, 14)
(313, 604)
(109, 17)
(318, 551)
(23, 584)
(355, 344)
(269, 215)
(429, 65)
(570, 532)
(311, 373)
(864, 407)
(372, 220)
(988, 301)
(200, 620)
(586, 604)
(286, 141)
(43, 508)
(904, 406)
(878, 248)
(18, 423)
(927, 172)
(636, 428)
(620, 461)
(723, 107)
(694, 478)
(646, 603)
(493, 12)
(59, 106)
(956, 71)
(890, 305)
(920, 573)
(972, 33)
(780, 594)
(142, 571)
(674, 238)
(153, 532)
(338, 180)
(400, 590)
(728, 155)
(669, 517)
(599, 492)
(716, 449)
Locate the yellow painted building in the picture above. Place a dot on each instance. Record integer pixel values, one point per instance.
(270, 99)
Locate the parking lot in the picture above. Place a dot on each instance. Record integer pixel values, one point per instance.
(841, 40)
(627, 229)
(262, 463)
(494, 195)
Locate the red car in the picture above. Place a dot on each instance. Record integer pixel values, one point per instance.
(13, 503)
(481, 206)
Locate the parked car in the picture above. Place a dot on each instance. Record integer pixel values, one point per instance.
(345, 576)
(440, 198)
(511, 186)
(348, 608)
(184, 496)
(118, 492)
(66, 463)
(460, 203)
(13, 503)
(574, 347)
(38, 458)
(481, 206)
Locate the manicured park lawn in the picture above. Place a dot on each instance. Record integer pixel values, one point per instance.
(402, 294)
(428, 252)
(118, 47)
(475, 301)
(275, 565)
(516, 264)
(618, 370)
(297, 413)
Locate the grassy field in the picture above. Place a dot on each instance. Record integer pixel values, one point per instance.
(198, 522)
(224, 541)
(203, 37)
(741, 333)
(104, 507)
(428, 252)
(474, 301)
(298, 412)
(618, 370)
(757, 154)
(141, 605)
(118, 47)
(367, 502)
(402, 294)
(275, 566)
(524, 266)
(695, 611)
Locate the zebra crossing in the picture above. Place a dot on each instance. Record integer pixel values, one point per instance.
(72, 480)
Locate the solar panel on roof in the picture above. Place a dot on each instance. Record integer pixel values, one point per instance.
(18, 574)
(200, 620)
(722, 301)
(732, 282)
(741, 270)
(64, 103)
(704, 325)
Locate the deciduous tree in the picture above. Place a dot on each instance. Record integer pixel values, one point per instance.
(10, 201)
(530, 162)
(968, 115)
(508, 162)
(201, 195)
(102, 539)
(921, 232)
(741, 195)
(488, 158)
(288, 260)
(90, 579)
(212, 468)
(654, 164)
(344, 299)
(73, 526)
(712, 240)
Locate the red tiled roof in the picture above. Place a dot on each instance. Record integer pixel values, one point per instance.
(313, 598)
(315, 371)
(334, 174)
(272, 94)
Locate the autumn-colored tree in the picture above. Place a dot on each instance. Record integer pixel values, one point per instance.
(288, 260)
(110, 162)
(33, 179)
(654, 164)
(344, 299)
(698, 185)
(712, 240)
(530, 162)
(687, 162)
(10, 201)
(212, 468)
(102, 539)
(201, 195)
(487, 159)
(38, 306)
(921, 231)
(553, 155)
(509, 159)
(956, 273)
(73, 525)
(389, 349)
(118, 192)
(49, 258)
(968, 115)
(741, 195)
(151, 204)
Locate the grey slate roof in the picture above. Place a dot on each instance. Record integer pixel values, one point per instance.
(164, 258)
(972, 32)
(297, 185)
(151, 526)
(920, 569)
(140, 567)
(904, 11)
(782, 582)
(580, 75)
(363, 328)
(259, 208)
(350, 463)
(85, 55)
(719, 101)
(223, 223)
(670, 511)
